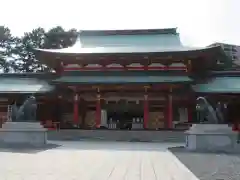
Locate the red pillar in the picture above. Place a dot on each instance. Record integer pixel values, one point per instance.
(98, 111)
(170, 110)
(75, 109)
(146, 112)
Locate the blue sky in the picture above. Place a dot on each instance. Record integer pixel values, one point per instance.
(200, 22)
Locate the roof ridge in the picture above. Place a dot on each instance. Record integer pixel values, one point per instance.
(172, 31)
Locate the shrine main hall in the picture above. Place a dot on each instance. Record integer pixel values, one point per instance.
(122, 79)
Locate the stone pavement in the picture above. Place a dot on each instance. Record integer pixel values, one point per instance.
(95, 161)
(210, 166)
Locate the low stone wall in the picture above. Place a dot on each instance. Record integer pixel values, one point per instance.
(212, 137)
(118, 135)
(25, 133)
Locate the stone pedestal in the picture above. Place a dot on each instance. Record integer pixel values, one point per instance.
(211, 137)
(29, 133)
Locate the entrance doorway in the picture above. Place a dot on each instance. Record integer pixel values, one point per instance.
(124, 114)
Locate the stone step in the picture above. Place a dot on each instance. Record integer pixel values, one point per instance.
(162, 136)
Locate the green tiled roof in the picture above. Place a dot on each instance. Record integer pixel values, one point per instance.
(219, 85)
(101, 42)
(122, 79)
(24, 85)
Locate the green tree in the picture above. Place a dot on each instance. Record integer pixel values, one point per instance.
(55, 38)
(25, 60)
(7, 43)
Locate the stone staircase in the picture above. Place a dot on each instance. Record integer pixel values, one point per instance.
(117, 135)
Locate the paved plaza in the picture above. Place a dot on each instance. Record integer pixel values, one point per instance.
(84, 160)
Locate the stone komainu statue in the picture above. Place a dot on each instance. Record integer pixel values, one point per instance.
(26, 112)
(207, 113)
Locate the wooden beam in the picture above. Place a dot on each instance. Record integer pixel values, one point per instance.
(162, 68)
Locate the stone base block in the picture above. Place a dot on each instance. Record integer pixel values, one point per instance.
(211, 137)
(23, 133)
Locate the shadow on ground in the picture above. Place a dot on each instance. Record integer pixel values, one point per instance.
(28, 149)
(181, 149)
(210, 165)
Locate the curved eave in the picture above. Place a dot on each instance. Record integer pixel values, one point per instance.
(71, 51)
(52, 57)
(115, 80)
(24, 85)
(219, 85)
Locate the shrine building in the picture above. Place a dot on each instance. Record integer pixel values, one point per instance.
(119, 79)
